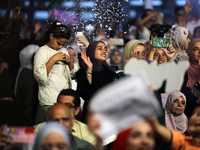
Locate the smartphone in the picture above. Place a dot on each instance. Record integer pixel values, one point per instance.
(79, 33)
(160, 42)
(20, 134)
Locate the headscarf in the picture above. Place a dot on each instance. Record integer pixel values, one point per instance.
(130, 46)
(119, 65)
(178, 123)
(178, 37)
(121, 142)
(122, 138)
(193, 71)
(51, 127)
(97, 65)
(25, 58)
(26, 54)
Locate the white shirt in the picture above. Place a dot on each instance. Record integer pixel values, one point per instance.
(59, 77)
(145, 35)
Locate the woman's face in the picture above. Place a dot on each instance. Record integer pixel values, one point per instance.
(178, 106)
(101, 53)
(56, 43)
(196, 51)
(116, 57)
(160, 56)
(141, 137)
(54, 141)
(194, 122)
(187, 43)
(140, 52)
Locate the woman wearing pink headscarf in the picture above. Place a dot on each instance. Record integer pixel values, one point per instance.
(175, 119)
(191, 85)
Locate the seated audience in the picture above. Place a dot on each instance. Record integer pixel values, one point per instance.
(63, 114)
(71, 98)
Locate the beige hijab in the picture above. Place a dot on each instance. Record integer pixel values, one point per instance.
(130, 46)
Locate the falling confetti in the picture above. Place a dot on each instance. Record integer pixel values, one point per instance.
(104, 14)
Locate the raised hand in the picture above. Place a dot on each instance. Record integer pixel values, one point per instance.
(37, 27)
(16, 14)
(3, 137)
(170, 52)
(86, 60)
(188, 7)
(134, 54)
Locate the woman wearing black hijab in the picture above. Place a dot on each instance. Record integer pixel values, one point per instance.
(97, 73)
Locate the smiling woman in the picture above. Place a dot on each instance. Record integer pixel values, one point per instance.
(96, 74)
(160, 56)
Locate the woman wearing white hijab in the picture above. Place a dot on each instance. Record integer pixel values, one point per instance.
(52, 135)
(25, 84)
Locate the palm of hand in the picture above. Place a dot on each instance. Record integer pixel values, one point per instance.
(86, 59)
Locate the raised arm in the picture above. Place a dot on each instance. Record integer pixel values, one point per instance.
(162, 131)
(89, 66)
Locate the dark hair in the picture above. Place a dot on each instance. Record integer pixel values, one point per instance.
(141, 44)
(145, 13)
(59, 31)
(70, 92)
(179, 8)
(160, 29)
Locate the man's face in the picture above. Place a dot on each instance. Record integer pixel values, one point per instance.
(68, 100)
(61, 113)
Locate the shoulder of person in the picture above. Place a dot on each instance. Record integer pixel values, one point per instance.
(80, 143)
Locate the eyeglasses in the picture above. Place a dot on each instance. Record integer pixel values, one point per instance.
(59, 146)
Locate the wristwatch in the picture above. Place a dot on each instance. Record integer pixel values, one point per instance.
(89, 73)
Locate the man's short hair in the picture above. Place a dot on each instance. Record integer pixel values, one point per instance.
(70, 92)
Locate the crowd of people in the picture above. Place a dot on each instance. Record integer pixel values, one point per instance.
(49, 78)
